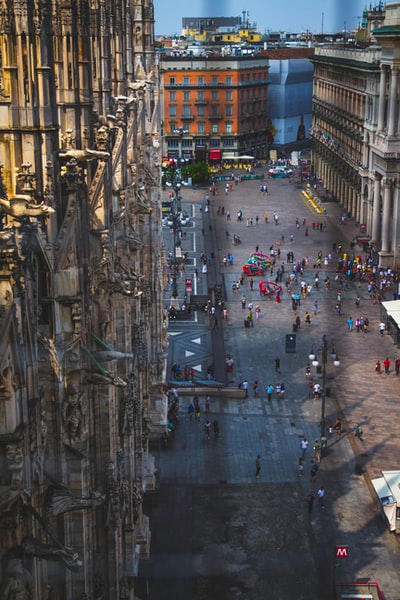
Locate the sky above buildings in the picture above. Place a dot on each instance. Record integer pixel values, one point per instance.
(285, 15)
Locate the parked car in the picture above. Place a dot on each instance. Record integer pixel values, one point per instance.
(280, 171)
(253, 269)
(183, 218)
(166, 206)
(269, 288)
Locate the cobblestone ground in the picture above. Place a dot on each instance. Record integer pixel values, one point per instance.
(217, 531)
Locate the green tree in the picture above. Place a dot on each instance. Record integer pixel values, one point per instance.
(198, 172)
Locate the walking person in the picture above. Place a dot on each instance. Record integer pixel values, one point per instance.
(277, 364)
(258, 466)
(317, 451)
(216, 429)
(314, 471)
(310, 501)
(304, 446)
(255, 389)
(397, 366)
(207, 429)
(321, 496)
(386, 364)
(270, 389)
(197, 410)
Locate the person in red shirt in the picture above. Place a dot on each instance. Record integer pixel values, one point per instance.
(386, 364)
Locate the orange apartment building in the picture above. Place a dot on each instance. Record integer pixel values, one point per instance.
(215, 107)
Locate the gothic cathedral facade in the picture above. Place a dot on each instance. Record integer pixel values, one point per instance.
(83, 332)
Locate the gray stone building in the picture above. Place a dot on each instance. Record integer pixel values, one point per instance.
(356, 129)
(82, 328)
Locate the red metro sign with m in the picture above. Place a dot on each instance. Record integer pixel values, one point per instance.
(342, 551)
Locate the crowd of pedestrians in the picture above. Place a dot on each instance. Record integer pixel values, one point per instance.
(307, 281)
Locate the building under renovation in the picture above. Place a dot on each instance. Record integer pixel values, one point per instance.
(82, 330)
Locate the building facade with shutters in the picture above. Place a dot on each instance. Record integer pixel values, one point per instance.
(83, 333)
(214, 108)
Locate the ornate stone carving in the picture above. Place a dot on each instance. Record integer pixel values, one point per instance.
(146, 429)
(21, 206)
(103, 138)
(129, 407)
(32, 546)
(15, 464)
(113, 492)
(60, 500)
(72, 175)
(38, 436)
(76, 317)
(83, 156)
(26, 179)
(8, 384)
(17, 583)
(139, 344)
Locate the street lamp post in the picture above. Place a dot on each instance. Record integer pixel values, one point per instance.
(175, 228)
(175, 218)
(180, 131)
(315, 363)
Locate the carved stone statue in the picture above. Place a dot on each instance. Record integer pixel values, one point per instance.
(15, 464)
(102, 299)
(73, 412)
(102, 138)
(17, 582)
(7, 383)
(21, 206)
(113, 491)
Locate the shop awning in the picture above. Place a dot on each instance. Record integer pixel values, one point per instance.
(392, 308)
(214, 154)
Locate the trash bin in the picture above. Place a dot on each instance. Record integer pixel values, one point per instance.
(324, 446)
(290, 343)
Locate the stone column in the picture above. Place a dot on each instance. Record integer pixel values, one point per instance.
(393, 101)
(376, 209)
(382, 98)
(387, 197)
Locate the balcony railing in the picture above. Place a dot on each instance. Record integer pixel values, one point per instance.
(187, 117)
